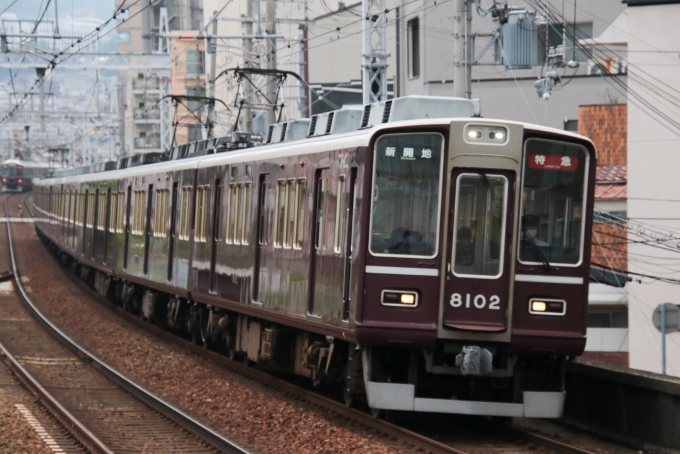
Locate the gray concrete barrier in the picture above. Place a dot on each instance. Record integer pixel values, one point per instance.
(635, 406)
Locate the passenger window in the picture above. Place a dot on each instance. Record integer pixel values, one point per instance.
(113, 207)
(300, 196)
(290, 213)
(184, 213)
(90, 210)
(120, 217)
(339, 215)
(245, 204)
(160, 213)
(101, 213)
(262, 234)
(320, 213)
(218, 209)
(281, 196)
(232, 227)
(201, 209)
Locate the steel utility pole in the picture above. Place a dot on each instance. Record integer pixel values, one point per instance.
(247, 27)
(40, 72)
(462, 71)
(146, 26)
(374, 64)
(270, 9)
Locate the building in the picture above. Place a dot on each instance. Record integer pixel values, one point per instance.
(187, 72)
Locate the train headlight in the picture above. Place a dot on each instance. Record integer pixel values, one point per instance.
(486, 134)
(474, 134)
(541, 306)
(399, 298)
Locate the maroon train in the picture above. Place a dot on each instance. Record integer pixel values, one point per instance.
(429, 259)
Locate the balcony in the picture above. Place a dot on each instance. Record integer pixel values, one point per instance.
(145, 84)
(148, 143)
(144, 115)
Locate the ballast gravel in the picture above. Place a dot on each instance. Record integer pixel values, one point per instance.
(258, 418)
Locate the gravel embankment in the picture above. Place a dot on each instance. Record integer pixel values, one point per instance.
(257, 417)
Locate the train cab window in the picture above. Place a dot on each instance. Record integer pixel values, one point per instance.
(339, 215)
(406, 195)
(479, 223)
(553, 198)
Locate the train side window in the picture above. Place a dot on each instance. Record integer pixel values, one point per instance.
(120, 216)
(339, 215)
(184, 213)
(160, 213)
(280, 230)
(245, 211)
(90, 210)
(201, 202)
(101, 214)
(81, 209)
(300, 196)
(113, 210)
(262, 234)
(232, 225)
(290, 213)
(218, 209)
(320, 213)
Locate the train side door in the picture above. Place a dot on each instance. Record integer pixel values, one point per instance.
(349, 242)
(173, 228)
(216, 227)
(319, 246)
(147, 227)
(128, 208)
(261, 232)
(477, 285)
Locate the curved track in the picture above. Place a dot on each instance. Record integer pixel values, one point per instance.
(104, 410)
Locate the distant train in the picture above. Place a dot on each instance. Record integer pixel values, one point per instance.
(16, 175)
(426, 258)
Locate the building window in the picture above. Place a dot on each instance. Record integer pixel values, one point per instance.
(194, 62)
(614, 319)
(570, 125)
(194, 133)
(196, 90)
(413, 32)
(124, 37)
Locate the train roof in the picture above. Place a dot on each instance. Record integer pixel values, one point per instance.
(27, 164)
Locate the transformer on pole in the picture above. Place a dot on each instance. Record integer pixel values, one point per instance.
(374, 64)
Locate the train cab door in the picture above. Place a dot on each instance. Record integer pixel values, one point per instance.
(476, 296)
(349, 243)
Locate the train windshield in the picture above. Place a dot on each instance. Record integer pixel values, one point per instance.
(553, 202)
(406, 195)
(9, 171)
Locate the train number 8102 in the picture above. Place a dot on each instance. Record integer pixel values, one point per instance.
(478, 301)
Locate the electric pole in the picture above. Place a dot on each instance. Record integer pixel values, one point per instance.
(462, 71)
(270, 9)
(374, 61)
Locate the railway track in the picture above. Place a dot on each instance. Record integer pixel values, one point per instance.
(503, 438)
(102, 409)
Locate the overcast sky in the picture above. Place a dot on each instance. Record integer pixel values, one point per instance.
(31, 9)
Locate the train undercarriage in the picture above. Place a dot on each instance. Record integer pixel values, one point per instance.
(452, 378)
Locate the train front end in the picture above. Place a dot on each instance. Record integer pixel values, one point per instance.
(12, 178)
(476, 267)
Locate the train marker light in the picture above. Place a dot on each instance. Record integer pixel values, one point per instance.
(538, 306)
(486, 134)
(407, 298)
(547, 307)
(399, 298)
(21, 180)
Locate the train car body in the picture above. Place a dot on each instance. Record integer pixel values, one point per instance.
(17, 175)
(435, 264)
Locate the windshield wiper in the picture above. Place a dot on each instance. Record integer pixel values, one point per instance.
(536, 250)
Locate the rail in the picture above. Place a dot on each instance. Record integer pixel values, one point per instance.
(172, 413)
